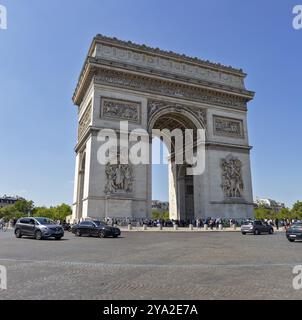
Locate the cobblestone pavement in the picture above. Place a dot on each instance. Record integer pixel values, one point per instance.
(151, 265)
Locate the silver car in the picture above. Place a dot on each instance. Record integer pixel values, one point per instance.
(256, 227)
(38, 228)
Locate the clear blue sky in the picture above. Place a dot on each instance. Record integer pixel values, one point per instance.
(43, 49)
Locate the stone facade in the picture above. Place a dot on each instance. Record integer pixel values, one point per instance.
(152, 89)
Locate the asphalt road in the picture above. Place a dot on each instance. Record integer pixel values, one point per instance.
(151, 265)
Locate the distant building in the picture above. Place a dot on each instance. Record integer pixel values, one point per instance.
(270, 204)
(8, 201)
(160, 205)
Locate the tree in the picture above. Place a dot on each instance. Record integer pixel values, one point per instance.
(297, 210)
(284, 213)
(22, 208)
(157, 214)
(19, 209)
(55, 213)
(262, 213)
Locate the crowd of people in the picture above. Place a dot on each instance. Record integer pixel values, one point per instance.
(212, 223)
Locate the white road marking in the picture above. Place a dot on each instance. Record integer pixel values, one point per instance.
(146, 265)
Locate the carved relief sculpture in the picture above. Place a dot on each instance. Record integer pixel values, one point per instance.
(140, 83)
(228, 127)
(154, 106)
(120, 109)
(119, 178)
(85, 120)
(232, 183)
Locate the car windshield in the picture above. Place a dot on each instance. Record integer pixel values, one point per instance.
(99, 223)
(248, 222)
(297, 225)
(45, 221)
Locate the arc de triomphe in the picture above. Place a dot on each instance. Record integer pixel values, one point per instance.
(151, 88)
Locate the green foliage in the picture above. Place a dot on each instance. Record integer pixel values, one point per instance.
(284, 213)
(23, 207)
(297, 210)
(157, 214)
(19, 209)
(55, 213)
(263, 213)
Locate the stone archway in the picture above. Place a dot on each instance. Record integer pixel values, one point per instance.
(151, 88)
(168, 116)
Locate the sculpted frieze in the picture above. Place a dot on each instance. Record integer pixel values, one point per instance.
(162, 87)
(228, 127)
(120, 109)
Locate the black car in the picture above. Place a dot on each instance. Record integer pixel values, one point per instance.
(294, 232)
(95, 229)
(38, 228)
(256, 227)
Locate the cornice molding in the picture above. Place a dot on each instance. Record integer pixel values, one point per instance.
(153, 62)
(113, 41)
(171, 89)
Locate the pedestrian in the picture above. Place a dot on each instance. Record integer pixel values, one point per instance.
(277, 223)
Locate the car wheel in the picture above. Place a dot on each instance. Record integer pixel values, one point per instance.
(271, 231)
(58, 238)
(18, 234)
(78, 233)
(291, 240)
(38, 235)
(115, 236)
(102, 234)
(256, 232)
(244, 233)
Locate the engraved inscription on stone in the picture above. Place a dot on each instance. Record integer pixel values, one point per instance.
(228, 127)
(169, 64)
(120, 110)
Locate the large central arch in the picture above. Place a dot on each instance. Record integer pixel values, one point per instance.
(181, 185)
